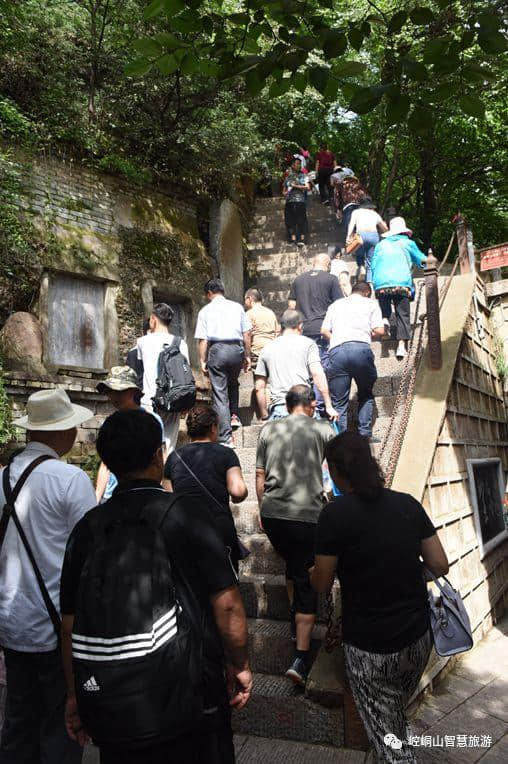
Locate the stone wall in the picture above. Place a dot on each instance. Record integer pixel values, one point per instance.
(226, 243)
(474, 427)
(139, 244)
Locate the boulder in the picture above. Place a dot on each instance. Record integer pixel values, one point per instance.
(21, 344)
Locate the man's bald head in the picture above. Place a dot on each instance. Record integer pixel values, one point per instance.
(321, 262)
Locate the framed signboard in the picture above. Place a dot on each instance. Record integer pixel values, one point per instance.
(487, 487)
(494, 257)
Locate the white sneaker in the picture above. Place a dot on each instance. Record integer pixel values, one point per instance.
(401, 351)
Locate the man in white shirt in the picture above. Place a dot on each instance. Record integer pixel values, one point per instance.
(149, 348)
(53, 499)
(289, 360)
(223, 332)
(350, 324)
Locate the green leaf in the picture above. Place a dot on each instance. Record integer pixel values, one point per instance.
(414, 69)
(397, 21)
(421, 15)
(239, 18)
(472, 105)
(467, 39)
(254, 82)
(443, 92)
(365, 29)
(365, 100)
(148, 47)
(153, 9)
(292, 61)
(331, 90)
(168, 41)
(349, 90)
(138, 67)
(477, 73)
(173, 7)
(355, 36)
(167, 64)
(306, 42)
(279, 87)
(346, 68)
(335, 43)
(447, 65)
(299, 81)
(489, 21)
(420, 120)
(435, 49)
(188, 22)
(190, 64)
(492, 42)
(397, 109)
(318, 77)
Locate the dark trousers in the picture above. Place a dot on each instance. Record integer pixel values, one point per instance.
(323, 179)
(295, 217)
(352, 360)
(225, 361)
(402, 309)
(323, 346)
(212, 748)
(34, 730)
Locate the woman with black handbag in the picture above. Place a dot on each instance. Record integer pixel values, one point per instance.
(373, 539)
(210, 470)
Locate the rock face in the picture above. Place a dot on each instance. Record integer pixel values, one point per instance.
(21, 344)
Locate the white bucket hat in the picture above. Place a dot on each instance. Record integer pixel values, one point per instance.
(52, 410)
(398, 225)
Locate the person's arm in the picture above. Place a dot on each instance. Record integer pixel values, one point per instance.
(291, 304)
(434, 556)
(317, 164)
(417, 256)
(236, 486)
(73, 723)
(167, 485)
(381, 225)
(326, 333)
(260, 385)
(247, 363)
(323, 572)
(292, 297)
(319, 379)
(102, 481)
(378, 330)
(203, 355)
(326, 326)
(231, 622)
(351, 226)
(184, 350)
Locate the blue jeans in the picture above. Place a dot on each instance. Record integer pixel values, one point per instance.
(279, 411)
(365, 252)
(352, 360)
(323, 347)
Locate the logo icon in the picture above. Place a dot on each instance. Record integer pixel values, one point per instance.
(393, 741)
(91, 685)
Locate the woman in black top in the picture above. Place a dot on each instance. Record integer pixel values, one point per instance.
(209, 470)
(373, 538)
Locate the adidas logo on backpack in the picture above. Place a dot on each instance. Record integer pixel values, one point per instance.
(91, 685)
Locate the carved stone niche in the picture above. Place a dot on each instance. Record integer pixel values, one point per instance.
(21, 344)
(153, 292)
(79, 322)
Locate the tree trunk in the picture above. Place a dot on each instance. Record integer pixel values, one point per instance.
(429, 208)
(375, 166)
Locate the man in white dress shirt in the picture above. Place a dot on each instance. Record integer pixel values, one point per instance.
(223, 332)
(350, 324)
(149, 349)
(50, 503)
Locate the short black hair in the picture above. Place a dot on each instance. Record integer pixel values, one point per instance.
(255, 293)
(163, 312)
(362, 287)
(299, 395)
(200, 420)
(128, 440)
(215, 286)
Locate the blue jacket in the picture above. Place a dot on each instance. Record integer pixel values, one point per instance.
(392, 262)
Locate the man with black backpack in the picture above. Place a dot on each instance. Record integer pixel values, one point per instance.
(42, 499)
(153, 622)
(168, 384)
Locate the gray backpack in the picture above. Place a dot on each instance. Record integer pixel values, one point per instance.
(450, 624)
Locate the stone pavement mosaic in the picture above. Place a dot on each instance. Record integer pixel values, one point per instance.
(464, 720)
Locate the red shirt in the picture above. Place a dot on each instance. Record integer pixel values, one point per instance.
(326, 160)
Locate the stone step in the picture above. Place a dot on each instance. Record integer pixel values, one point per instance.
(318, 234)
(279, 709)
(280, 247)
(263, 559)
(265, 596)
(270, 647)
(259, 750)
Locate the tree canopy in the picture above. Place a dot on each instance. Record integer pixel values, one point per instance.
(199, 93)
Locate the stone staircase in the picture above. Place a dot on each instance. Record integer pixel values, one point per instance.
(278, 709)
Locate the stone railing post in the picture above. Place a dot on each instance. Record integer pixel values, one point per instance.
(432, 307)
(465, 242)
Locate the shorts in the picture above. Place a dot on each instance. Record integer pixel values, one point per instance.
(295, 542)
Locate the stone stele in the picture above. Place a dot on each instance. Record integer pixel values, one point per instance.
(21, 344)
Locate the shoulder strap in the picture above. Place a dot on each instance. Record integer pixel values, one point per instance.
(198, 481)
(9, 511)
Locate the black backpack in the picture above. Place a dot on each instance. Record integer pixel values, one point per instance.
(175, 386)
(136, 654)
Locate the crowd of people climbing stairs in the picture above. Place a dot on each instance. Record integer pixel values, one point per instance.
(121, 619)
